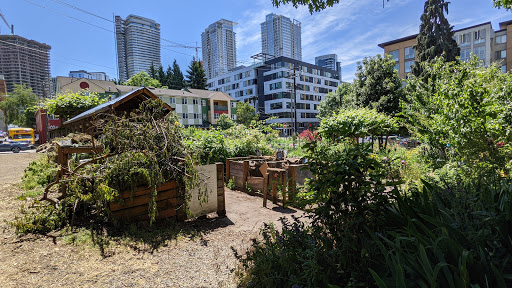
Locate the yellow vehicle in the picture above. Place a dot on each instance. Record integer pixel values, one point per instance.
(22, 134)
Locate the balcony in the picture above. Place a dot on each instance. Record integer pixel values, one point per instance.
(220, 107)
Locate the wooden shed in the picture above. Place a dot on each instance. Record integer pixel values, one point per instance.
(82, 123)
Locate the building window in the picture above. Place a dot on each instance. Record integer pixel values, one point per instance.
(278, 105)
(480, 52)
(203, 102)
(501, 39)
(502, 54)
(195, 101)
(464, 39)
(216, 116)
(395, 54)
(397, 67)
(184, 101)
(409, 52)
(479, 36)
(233, 116)
(408, 65)
(185, 115)
(504, 68)
(172, 100)
(196, 116)
(233, 104)
(465, 54)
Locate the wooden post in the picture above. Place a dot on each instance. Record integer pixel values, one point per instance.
(292, 182)
(228, 176)
(274, 187)
(265, 189)
(282, 179)
(245, 174)
(221, 199)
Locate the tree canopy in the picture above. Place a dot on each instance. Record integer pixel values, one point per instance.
(245, 113)
(436, 36)
(196, 77)
(333, 102)
(175, 77)
(377, 85)
(143, 79)
(464, 107)
(18, 106)
(71, 104)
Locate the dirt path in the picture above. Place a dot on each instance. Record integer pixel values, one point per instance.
(12, 165)
(205, 260)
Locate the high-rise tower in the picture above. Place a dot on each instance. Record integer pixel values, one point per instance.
(24, 61)
(138, 45)
(280, 36)
(219, 48)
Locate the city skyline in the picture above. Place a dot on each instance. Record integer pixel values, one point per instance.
(352, 29)
(218, 42)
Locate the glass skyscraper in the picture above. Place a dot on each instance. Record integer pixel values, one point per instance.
(219, 48)
(138, 45)
(281, 36)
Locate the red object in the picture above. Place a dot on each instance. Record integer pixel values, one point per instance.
(84, 85)
(310, 125)
(43, 125)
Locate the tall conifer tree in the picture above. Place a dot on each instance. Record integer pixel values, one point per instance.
(177, 81)
(436, 35)
(196, 77)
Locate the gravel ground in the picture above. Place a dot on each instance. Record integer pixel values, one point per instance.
(202, 257)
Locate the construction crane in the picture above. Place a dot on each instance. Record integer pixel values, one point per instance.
(5, 21)
(179, 45)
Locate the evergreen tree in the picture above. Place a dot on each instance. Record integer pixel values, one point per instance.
(196, 77)
(168, 77)
(177, 81)
(161, 75)
(153, 72)
(436, 36)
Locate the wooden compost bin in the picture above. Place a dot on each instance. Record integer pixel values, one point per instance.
(274, 175)
(170, 201)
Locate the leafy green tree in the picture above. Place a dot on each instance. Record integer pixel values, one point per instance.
(377, 85)
(224, 122)
(142, 79)
(436, 36)
(245, 113)
(70, 104)
(16, 104)
(333, 102)
(507, 4)
(358, 123)
(196, 77)
(319, 5)
(177, 81)
(463, 109)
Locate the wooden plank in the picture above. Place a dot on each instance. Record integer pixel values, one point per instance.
(142, 200)
(265, 189)
(228, 162)
(221, 199)
(245, 173)
(256, 183)
(133, 212)
(146, 190)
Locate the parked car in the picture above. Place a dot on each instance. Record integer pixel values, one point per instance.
(3, 134)
(13, 146)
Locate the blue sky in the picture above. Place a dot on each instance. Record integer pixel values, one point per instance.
(351, 29)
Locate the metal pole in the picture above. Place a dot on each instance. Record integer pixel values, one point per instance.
(295, 99)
